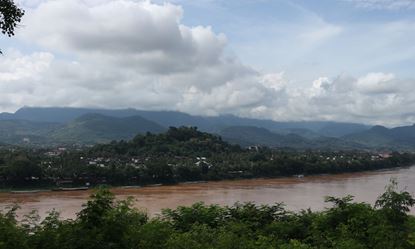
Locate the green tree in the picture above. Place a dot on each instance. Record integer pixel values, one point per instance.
(106, 223)
(10, 16)
(394, 207)
(11, 235)
(398, 203)
(22, 170)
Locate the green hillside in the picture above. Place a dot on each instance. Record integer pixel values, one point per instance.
(248, 135)
(68, 126)
(382, 137)
(182, 141)
(23, 131)
(97, 128)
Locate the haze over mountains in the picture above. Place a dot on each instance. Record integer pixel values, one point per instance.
(54, 126)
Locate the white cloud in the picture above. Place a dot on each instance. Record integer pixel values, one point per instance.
(142, 35)
(377, 83)
(274, 81)
(371, 98)
(17, 66)
(139, 56)
(143, 56)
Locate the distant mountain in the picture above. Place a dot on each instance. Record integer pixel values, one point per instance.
(61, 114)
(277, 126)
(382, 137)
(173, 118)
(98, 128)
(23, 131)
(52, 126)
(404, 135)
(341, 129)
(7, 116)
(87, 125)
(301, 132)
(249, 135)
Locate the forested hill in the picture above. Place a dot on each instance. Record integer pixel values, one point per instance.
(73, 125)
(211, 124)
(182, 141)
(97, 128)
(180, 154)
(47, 127)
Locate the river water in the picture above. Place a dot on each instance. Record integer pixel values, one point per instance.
(296, 193)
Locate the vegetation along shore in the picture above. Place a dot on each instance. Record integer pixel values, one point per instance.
(179, 155)
(107, 223)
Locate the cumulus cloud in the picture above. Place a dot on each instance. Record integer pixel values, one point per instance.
(143, 35)
(139, 56)
(119, 54)
(371, 98)
(377, 83)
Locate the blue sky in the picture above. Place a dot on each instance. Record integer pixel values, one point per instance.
(262, 33)
(343, 60)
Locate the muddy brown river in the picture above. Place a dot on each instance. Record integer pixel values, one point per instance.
(296, 193)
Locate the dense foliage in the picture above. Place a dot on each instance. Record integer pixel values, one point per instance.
(107, 223)
(10, 16)
(180, 154)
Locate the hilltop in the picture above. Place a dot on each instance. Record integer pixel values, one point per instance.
(33, 126)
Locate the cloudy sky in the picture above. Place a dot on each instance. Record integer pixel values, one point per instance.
(342, 60)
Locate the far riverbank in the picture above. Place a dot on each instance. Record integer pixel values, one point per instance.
(296, 193)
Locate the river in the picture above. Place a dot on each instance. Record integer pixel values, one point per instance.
(296, 193)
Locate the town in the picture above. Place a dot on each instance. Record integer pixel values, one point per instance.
(180, 155)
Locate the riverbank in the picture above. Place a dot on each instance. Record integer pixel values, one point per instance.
(83, 188)
(181, 155)
(29, 190)
(296, 193)
(103, 221)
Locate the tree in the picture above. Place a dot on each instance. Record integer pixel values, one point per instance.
(21, 171)
(398, 203)
(10, 16)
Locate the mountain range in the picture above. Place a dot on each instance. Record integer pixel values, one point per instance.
(56, 125)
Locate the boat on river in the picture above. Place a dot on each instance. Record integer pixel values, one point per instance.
(70, 189)
(28, 191)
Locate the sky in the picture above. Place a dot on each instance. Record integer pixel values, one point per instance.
(339, 60)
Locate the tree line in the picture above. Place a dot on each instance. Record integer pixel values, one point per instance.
(106, 223)
(179, 155)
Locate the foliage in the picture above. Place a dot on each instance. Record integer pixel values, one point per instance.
(180, 154)
(109, 223)
(10, 16)
(397, 202)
